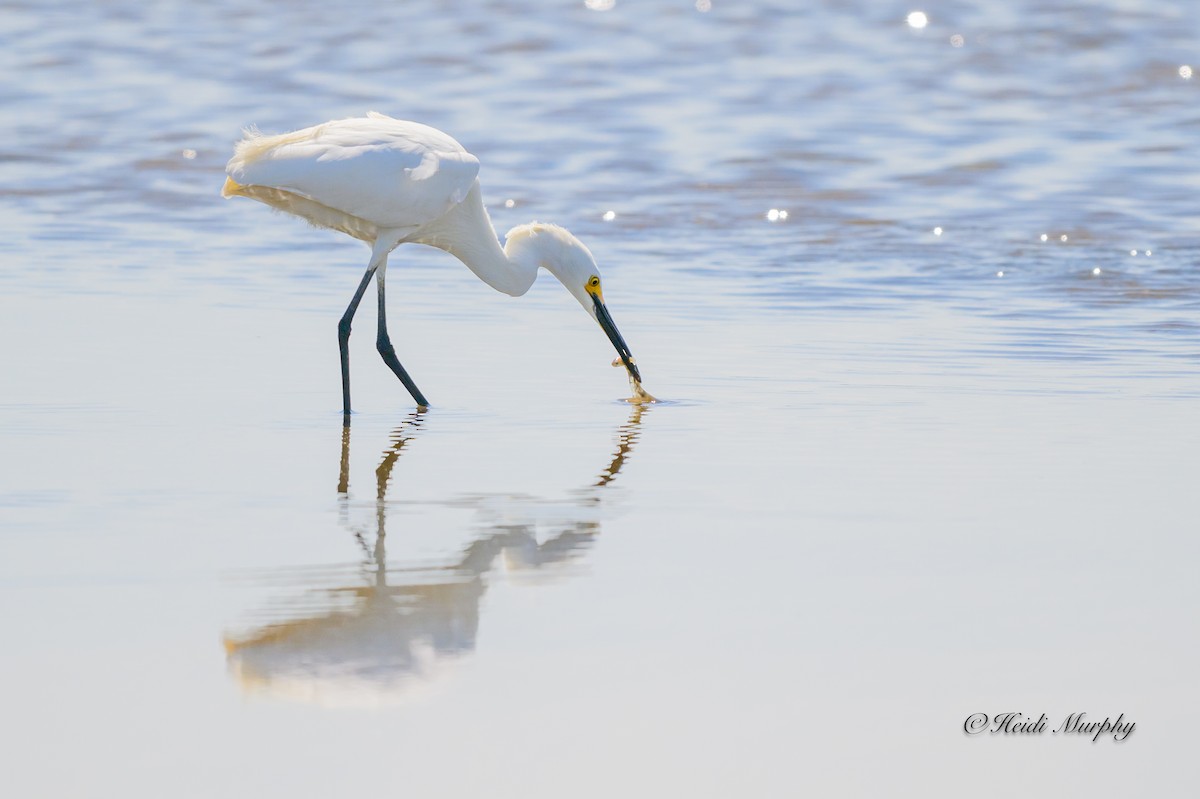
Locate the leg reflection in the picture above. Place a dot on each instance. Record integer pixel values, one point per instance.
(365, 633)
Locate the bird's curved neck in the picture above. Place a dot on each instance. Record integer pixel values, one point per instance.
(466, 232)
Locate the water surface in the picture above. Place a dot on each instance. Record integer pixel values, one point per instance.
(930, 448)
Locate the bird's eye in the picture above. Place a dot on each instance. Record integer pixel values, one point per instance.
(594, 282)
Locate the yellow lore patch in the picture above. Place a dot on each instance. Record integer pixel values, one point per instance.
(593, 288)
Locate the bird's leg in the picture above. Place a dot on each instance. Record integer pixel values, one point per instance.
(344, 339)
(384, 344)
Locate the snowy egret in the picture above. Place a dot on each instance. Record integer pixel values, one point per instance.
(387, 182)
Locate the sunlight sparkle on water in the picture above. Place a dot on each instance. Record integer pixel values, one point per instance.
(609, 216)
(776, 215)
(510, 203)
(1000, 273)
(917, 19)
(704, 6)
(957, 40)
(1096, 271)
(1185, 72)
(937, 231)
(189, 154)
(1045, 237)
(599, 5)
(1063, 237)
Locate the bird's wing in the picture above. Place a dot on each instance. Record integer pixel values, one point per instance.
(392, 173)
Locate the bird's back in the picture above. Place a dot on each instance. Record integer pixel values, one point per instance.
(385, 172)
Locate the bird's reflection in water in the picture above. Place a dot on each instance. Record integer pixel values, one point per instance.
(374, 638)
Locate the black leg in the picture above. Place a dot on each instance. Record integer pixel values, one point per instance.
(384, 344)
(344, 340)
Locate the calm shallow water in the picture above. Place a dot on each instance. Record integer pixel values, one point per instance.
(892, 487)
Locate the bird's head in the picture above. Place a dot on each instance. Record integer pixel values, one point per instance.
(557, 251)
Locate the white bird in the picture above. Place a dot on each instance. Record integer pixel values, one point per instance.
(387, 182)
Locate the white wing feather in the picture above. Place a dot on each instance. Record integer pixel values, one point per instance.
(390, 173)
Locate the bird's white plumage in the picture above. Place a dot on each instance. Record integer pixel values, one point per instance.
(386, 172)
(387, 181)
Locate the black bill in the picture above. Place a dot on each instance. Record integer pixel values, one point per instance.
(614, 335)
